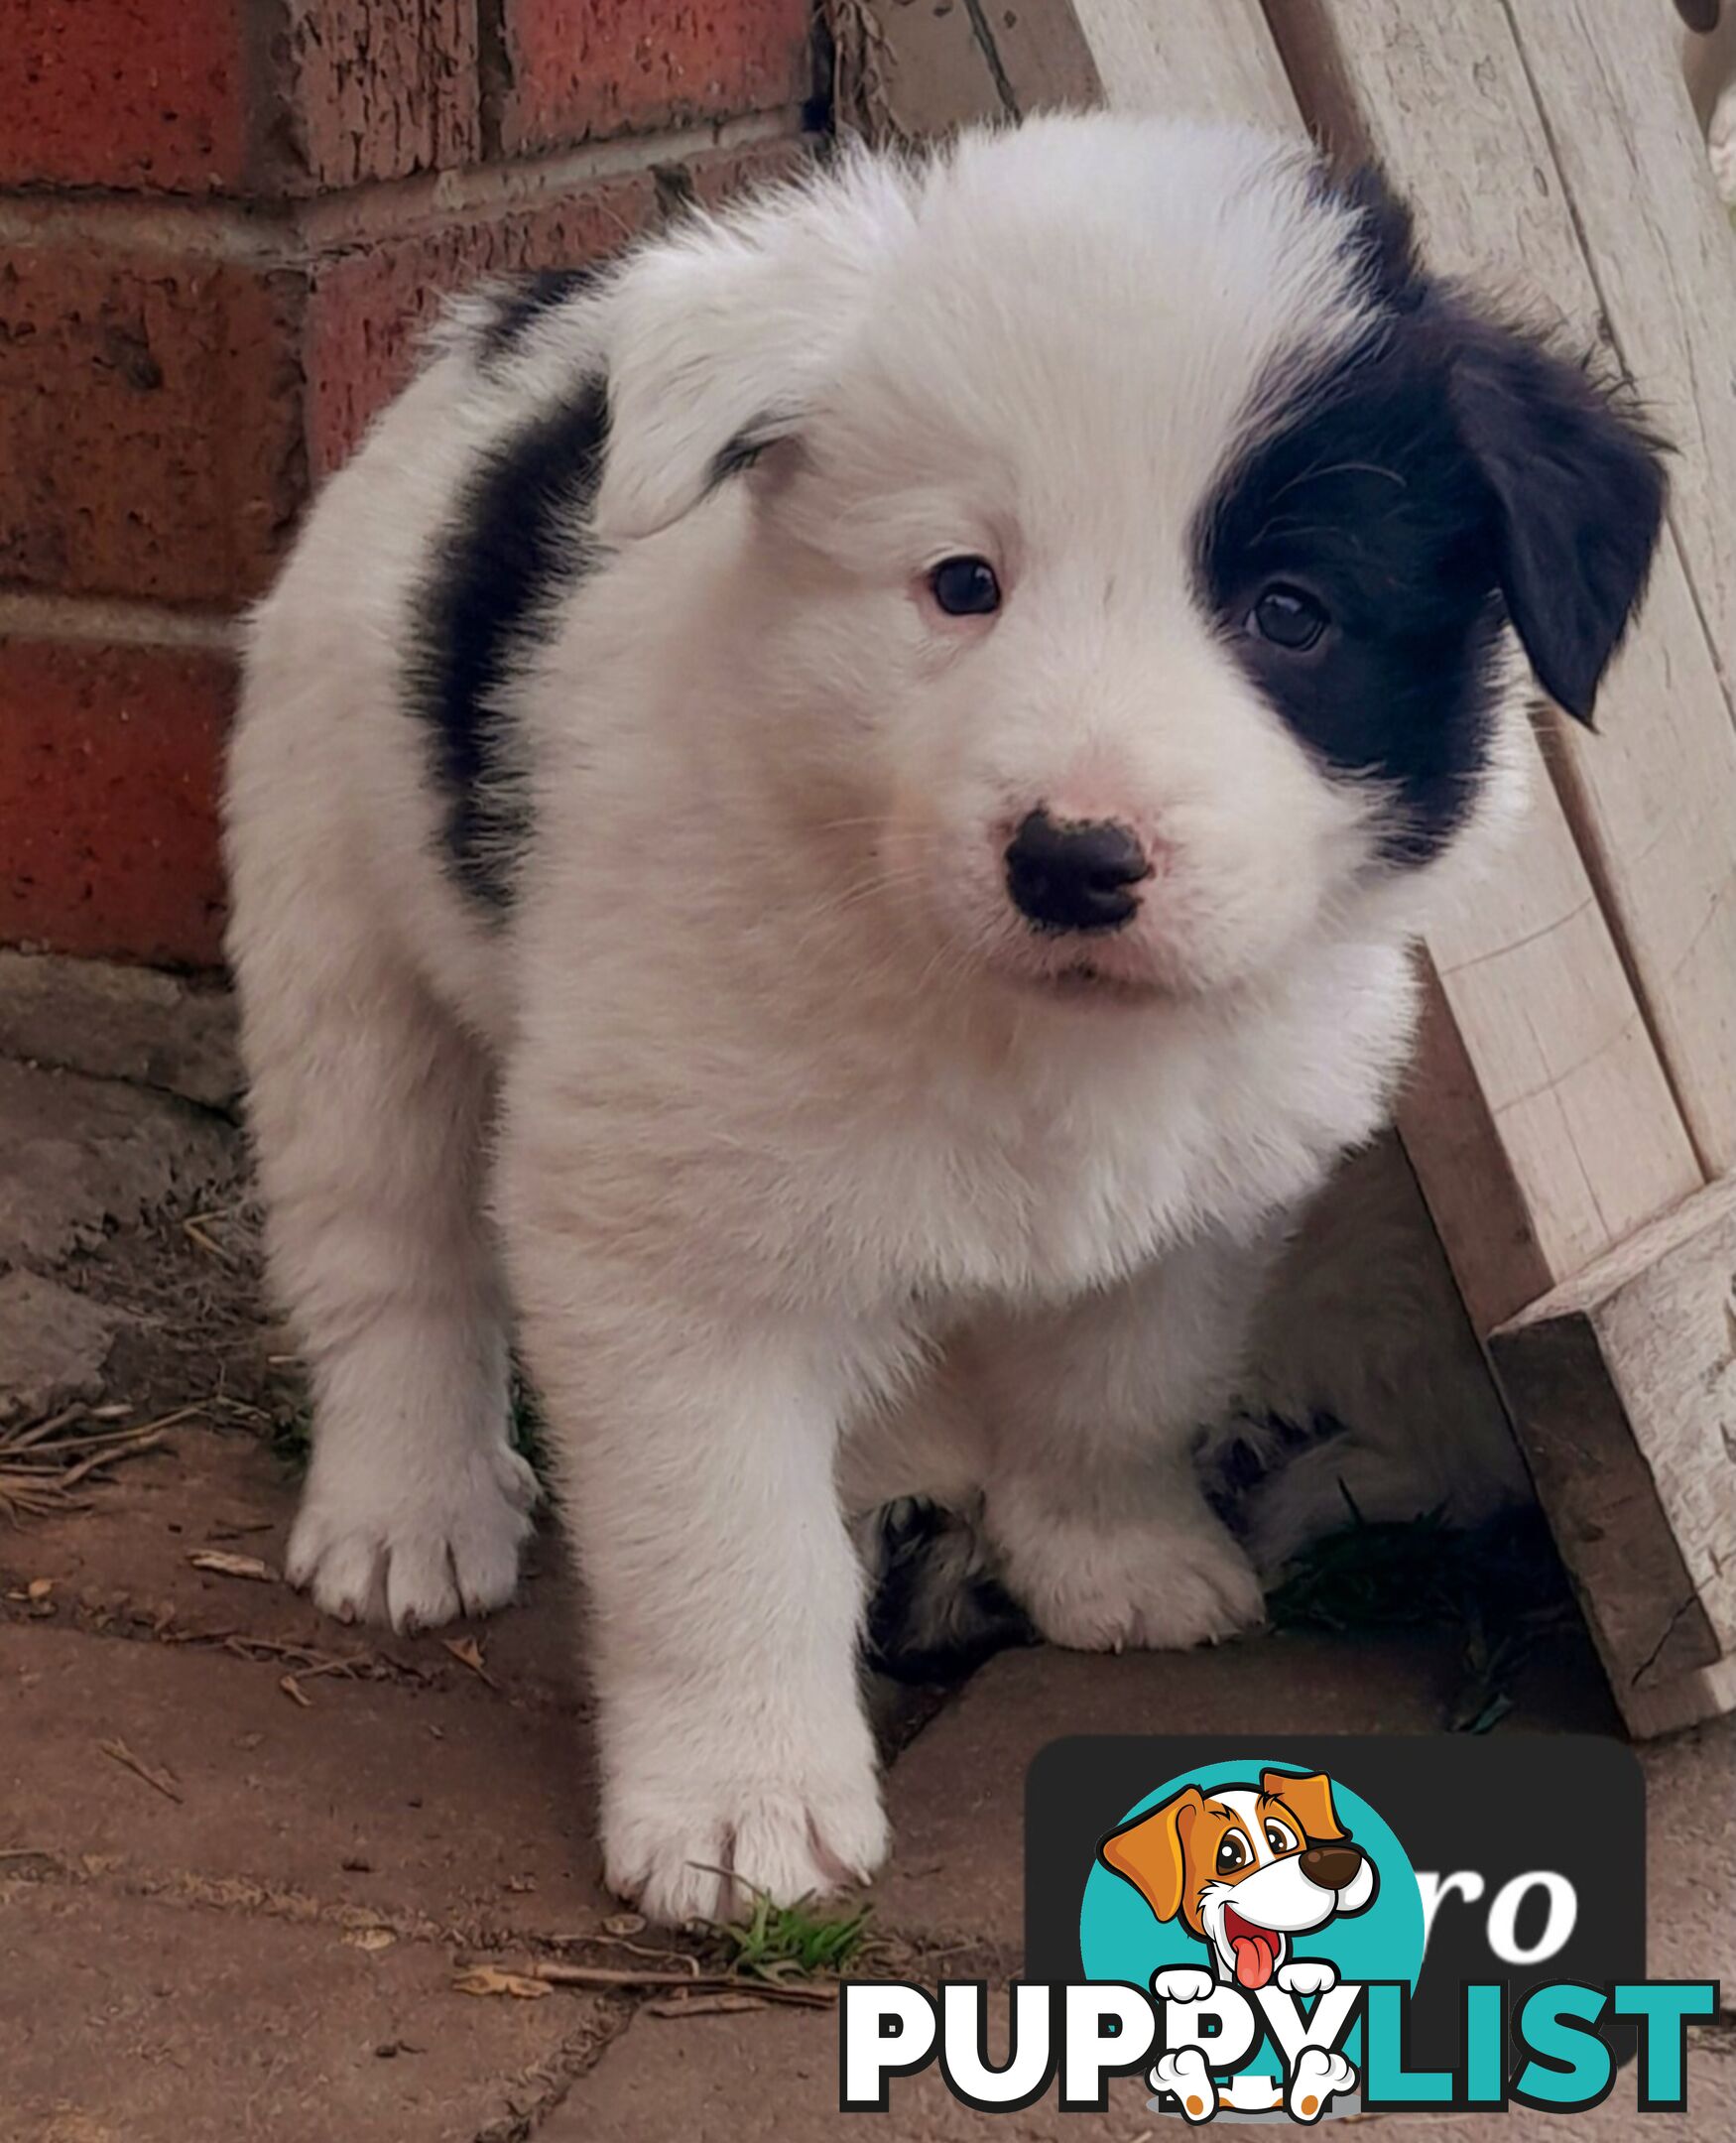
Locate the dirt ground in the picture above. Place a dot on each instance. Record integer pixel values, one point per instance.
(265, 1877)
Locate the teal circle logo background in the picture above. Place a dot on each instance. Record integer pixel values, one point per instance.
(1120, 1938)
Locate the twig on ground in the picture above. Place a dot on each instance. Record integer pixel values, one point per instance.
(152, 1774)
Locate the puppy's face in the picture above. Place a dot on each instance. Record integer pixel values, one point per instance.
(1129, 545)
(1246, 1869)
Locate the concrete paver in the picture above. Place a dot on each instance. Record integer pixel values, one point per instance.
(81, 1153)
(445, 1808)
(958, 1795)
(122, 2022)
(55, 1343)
(1690, 1838)
(120, 1023)
(123, 1562)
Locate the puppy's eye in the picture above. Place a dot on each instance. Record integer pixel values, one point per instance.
(1232, 1853)
(1278, 1837)
(1289, 617)
(965, 587)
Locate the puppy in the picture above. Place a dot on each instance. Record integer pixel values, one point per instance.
(836, 812)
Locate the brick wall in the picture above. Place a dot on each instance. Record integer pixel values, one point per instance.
(221, 225)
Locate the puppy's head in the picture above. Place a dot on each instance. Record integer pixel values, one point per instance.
(1124, 535)
(1246, 1867)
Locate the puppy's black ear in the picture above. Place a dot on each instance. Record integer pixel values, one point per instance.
(1579, 491)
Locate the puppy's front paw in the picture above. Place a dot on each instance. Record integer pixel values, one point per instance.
(1182, 1983)
(1154, 1588)
(416, 1552)
(1306, 1975)
(705, 1856)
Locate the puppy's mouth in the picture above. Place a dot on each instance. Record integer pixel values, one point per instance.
(1255, 1949)
(1083, 981)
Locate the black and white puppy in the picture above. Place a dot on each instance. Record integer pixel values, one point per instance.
(837, 812)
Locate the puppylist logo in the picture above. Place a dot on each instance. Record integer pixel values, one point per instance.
(1250, 1938)
(1251, 1876)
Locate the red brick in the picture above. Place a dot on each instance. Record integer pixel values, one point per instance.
(382, 91)
(371, 304)
(149, 423)
(108, 799)
(124, 93)
(570, 69)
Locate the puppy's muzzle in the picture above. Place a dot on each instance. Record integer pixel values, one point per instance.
(1332, 1867)
(1074, 875)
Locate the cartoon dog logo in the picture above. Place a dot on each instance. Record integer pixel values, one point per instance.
(1246, 1869)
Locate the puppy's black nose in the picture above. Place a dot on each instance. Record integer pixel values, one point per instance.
(1074, 877)
(1333, 1867)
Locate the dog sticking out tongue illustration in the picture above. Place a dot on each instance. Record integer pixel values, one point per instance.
(1246, 1869)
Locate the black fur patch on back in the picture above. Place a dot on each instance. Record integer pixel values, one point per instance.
(1360, 492)
(519, 306)
(514, 548)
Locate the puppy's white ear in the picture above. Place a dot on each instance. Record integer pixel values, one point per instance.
(719, 336)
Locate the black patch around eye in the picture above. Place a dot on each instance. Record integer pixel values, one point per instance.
(515, 547)
(1289, 618)
(523, 302)
(1360, 488)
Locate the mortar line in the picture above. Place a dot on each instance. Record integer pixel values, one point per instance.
(114, 621)
(287, 233)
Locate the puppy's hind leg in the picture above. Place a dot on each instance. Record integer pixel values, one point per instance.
(369, 1108)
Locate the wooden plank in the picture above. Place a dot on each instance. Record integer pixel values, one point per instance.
(1208, 57)
(941, 67)
(1622, 1386)
(1442, 97)
(1608, 84)
(1576, 1102)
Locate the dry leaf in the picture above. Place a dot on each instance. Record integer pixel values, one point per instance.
(624, 1923)
(38, 1588)
(468, 1653)
(489, 1979)
(370, 1938)
(232, 1566)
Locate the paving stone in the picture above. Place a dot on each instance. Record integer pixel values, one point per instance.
(123, 1023)
(83, 1154)
(440, 1807)
(775, 2074)
(956, 1796)
(1690, 1830)
(123, 1561)
(125, 2021)
(54, 1344)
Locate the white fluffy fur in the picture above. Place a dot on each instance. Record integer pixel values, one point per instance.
(803, 1160)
